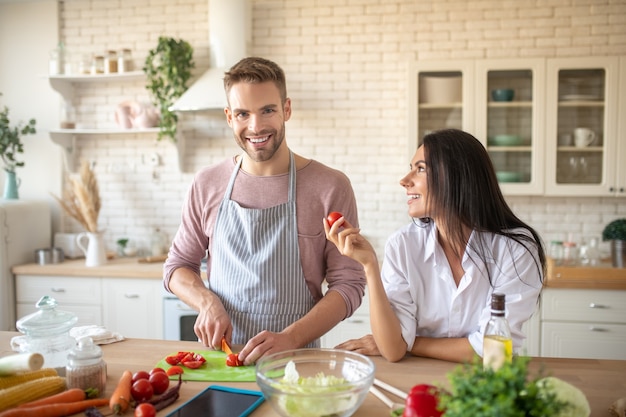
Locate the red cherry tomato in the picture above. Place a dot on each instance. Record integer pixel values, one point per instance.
(333, 217)
(140, 375)
(160, 382)
(233, 360)
(142, 390)
(145, 410)
(193, 364)
(175, 370)
(155, 370)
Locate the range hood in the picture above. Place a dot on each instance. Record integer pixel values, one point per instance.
(230, 24)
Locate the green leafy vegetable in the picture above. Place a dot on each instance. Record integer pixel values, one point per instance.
(506, 392)
(321, 395)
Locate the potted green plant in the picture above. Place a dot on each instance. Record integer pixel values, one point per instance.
(616, 233)
(10, 145)
(168, 68)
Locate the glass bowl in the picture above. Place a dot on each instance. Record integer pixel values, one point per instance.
(315, 382)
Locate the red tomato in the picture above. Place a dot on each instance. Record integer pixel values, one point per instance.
(142, 390)
(422, 402)
(160, 382)
(145, 410)
(172, 360)
(140, 375)
(233, 360)
(155, 370)
(193, 364)
(175, 370)
(333, 217)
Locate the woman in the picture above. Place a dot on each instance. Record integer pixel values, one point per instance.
(432, 297)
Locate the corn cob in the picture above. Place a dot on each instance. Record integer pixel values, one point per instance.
(31, 391)
(9, 381)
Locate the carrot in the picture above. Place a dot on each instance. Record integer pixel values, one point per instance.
(68, 396)
(120, 399)
(55, 410)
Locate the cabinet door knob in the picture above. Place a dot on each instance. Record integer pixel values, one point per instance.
(127, 295)
(597, 329)
(57, 290)
(594, 305)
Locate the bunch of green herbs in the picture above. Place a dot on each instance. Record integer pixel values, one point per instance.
(480, 391)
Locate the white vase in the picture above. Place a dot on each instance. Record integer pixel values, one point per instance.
(94, 251)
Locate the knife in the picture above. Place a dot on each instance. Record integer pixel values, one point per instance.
(225, 347)
(232, 359)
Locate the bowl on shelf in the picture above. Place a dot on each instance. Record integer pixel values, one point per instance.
(502, 94)
(509, 176)
(505, 140)
(315, 382)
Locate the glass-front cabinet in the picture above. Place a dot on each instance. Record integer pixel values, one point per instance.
(441, 95)
(509, 94)
(498, 101)
(551, 126)
(582, 136)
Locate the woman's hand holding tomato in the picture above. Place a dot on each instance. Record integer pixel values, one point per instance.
(349, 241)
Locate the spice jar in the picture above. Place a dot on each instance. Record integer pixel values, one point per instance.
(124, 63)
(97, 65)
(85, 367)
(110, 62)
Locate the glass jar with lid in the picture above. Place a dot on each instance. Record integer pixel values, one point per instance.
(97, 65)
(85, 367)
(47, 332)
(124, 61)
(110, 62)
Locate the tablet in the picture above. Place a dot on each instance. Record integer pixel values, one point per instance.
(219, 401)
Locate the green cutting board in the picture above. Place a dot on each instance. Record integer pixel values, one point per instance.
(214, 369)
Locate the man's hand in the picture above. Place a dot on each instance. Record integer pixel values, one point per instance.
(365, 345)
(212, 324)
(265, 343)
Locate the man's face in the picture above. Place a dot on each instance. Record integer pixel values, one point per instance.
(257, 117)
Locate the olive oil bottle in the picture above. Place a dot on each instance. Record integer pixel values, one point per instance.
(497, 343)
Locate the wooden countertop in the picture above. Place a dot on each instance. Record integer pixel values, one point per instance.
(114, 268)
(585, 277)
(602, 381)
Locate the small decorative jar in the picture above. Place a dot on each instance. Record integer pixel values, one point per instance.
(85, 367)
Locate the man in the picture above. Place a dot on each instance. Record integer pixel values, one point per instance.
(258, 219)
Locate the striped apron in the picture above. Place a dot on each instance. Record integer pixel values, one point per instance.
(255, 265)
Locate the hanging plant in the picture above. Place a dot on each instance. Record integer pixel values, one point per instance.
(10, 140)
(168, 68)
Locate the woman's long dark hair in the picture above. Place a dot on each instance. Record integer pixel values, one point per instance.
(463, 191)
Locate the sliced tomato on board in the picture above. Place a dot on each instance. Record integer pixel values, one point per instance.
(175, 370)
(233, 360)
(193, 364)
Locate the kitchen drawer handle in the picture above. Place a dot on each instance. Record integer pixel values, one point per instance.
(594, 305)
(53, 289)
(131, 295)
(183, 307)
(356, 321)
(597, 329)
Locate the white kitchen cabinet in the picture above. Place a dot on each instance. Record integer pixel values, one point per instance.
(80, 296)
(553, 97)
(129, 306)
(583, 323)
(512, 131)
(133, 307)
(585, 93)
(353, 327)
(477, 113)
(65, 86)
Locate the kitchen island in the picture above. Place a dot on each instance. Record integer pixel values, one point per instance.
(602, 381)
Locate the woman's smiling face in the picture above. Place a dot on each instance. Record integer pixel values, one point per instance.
(415, 182)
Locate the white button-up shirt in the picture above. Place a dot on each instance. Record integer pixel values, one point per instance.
(421, 289)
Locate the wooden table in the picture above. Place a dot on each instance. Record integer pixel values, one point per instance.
(602, 381)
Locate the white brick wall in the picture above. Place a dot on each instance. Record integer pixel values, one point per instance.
(346, 63)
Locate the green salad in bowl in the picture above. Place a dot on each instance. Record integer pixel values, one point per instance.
(315, 382)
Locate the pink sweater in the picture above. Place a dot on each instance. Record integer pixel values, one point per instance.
(319, 190)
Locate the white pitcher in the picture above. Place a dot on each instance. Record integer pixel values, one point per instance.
(95, 254)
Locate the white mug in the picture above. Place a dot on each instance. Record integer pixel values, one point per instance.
(583, 137)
